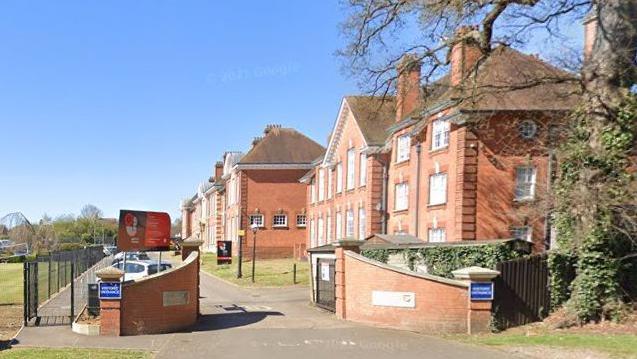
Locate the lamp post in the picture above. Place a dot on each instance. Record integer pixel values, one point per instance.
(254, 228)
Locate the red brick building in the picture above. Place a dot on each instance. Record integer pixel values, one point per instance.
(345, 187)
(467, 157)
(262, 188)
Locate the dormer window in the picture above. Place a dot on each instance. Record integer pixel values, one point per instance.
(402, 148)
(440, 134)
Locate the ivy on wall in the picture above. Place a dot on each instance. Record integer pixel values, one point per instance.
(442, 260)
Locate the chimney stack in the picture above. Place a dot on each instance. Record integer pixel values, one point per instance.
(465, 53)
(590, 33)
(274, 128)
(218, 170)
(408, 89)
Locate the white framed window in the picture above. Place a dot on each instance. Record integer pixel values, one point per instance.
(440, 134)
(339, 177)
(301, 220)
(351, 163)
(256, 219)
(401, 196)
(320, 230)
(330, 183)
(321, 185)
(437, 235)
(328, 229)
(524, 233)
(362, 172)
(362, 223)
(403, 145)
(313, 192)
(339, 226)
(312, 233)
(349, 224)
(525, 182)
(280, 220)
(438, 188)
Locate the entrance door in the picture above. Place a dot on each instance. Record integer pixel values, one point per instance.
(325, 284)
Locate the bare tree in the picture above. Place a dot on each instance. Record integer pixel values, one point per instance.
(90, 211)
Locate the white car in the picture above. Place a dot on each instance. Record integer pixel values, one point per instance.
(131, 256)
(139, 269)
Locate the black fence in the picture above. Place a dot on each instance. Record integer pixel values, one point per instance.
(325, 283)
(522, 292)
(51, 274)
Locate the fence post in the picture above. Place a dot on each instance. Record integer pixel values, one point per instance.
(72, 293)
(294, 275)
(37, 285)
(25, 291)
(49, 270)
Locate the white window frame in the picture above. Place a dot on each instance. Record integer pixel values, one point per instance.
(437, 189)
(261, 217)
(362, 172)
(330, 183)
(328, 229)
(401, 196)
(437, 235)
(320, 227)
(339, 177)
(339, 226)
(351, 169)
(440, 134)
(301, 223)
(527, 230)
(403, 148)
(349, 223)
(362, 223)
(321, 184)
(279, 225)
(313, 192)
(312, 233)
(525, 190)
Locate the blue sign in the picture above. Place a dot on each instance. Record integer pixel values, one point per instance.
(481, 291)
(110, 290)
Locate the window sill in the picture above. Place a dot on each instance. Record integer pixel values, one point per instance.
(437, 205)
(401, 163)
(439, 150)
(524, 200)
(400, 211)
(280, 227)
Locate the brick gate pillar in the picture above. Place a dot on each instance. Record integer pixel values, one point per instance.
(188, 246)
(478, 309)
(110, 309)
(339, 272)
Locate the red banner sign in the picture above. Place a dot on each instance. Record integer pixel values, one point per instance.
(143, 231)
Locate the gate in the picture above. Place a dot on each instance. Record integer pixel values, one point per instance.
(521, 291)
(325, 284)
(55, 285)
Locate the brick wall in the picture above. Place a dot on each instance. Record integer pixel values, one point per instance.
(143, 309)
(441, 305)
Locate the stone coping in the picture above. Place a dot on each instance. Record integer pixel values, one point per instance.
(191, 258)
(434, 278)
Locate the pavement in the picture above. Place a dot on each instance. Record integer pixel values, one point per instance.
(265, 323)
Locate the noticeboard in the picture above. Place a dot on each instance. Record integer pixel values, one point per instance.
(224, 252)
(481, 291)
(143, 231)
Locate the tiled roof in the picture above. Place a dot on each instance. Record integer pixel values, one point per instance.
(374, 115)
(509, 80)
(283, 146)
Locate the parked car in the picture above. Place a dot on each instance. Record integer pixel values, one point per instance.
(131, 256)
(109, 250)
(139, 269)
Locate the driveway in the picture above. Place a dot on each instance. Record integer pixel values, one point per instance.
(266, 323)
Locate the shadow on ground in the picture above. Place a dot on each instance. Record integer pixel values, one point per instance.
(220, 321)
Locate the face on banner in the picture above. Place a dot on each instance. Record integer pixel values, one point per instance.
(143, 231)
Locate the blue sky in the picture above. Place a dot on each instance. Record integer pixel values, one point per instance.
(128, 104)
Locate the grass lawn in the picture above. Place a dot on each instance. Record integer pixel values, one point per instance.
(268, 272)
(46, 353)
(11, 278)
(616, 345)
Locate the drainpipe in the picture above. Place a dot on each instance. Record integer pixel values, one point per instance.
(418, 151)
(550, 177)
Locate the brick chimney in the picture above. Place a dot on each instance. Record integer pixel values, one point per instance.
(408, 89)
(218, 170)
(590, 32)
(465, 53)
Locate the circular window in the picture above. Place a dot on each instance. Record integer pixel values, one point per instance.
(528, 129)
